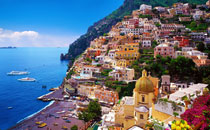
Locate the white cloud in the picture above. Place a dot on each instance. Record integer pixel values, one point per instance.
(32, 39)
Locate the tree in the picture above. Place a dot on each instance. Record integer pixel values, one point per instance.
(93, 112)
(95, 109)
(207, 81)
(74, 127)
(182, 68)
(193, 24)
(175, 114)
(154, 44)
(201, 46)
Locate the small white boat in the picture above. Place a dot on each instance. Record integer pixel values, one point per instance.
(27, 79)
(60, 112)
(18, 73)
(9, 107)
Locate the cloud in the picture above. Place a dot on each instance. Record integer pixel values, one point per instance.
(33, 39)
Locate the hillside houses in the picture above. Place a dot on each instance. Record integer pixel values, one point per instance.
(147, 36)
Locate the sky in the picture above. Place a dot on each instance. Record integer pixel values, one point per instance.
(49, 23)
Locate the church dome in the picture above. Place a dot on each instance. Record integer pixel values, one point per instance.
(144, 84)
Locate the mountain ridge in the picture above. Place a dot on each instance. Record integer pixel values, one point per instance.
(105, 24)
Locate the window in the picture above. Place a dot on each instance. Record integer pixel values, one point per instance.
(143, 99)
(141, 116)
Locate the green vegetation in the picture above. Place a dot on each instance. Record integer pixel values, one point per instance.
(145, 16)
(93, 112)
(200, 46)
(70, 73)
(105, 34)
(74, 127)
(88, 60)
(157, 25)
(121, 87)
(196, 26)
(105, 72)
(203, 48)
(180, 69)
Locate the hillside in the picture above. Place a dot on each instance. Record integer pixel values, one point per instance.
(105, 24)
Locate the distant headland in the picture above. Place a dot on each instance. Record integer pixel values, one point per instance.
(8, 47)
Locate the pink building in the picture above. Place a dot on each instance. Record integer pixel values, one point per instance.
(164, 50)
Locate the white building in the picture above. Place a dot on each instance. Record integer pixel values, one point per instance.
(111, 54)
(88, 70)
(122, 74)
(145, 7)
(146, 43)
(135, 31)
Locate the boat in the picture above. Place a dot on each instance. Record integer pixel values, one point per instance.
(9, 107)
(44, 86)
(27, 79)
(18, 73)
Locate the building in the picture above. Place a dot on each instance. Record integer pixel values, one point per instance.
(160, 9)
(111, 54)
(88, 70)
(183, 41)
(107, 96)
(131, 47)
(164, 50)
(165, 83)
(145, 7)
(146, 43)
(174, 27)
(92, 53)
(98, 92)
(136, 110)
(198, 36)
(201, 62)
(86, 90)
(198, 14)
(121, 74)
(185, 19)
(122, 63)
(129, 55)
(135, 31)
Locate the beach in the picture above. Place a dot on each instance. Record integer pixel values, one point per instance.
(57, 115)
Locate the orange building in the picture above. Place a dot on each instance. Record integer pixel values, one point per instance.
(107, 96)
(183, 41)
(201, 62)
(92, 53)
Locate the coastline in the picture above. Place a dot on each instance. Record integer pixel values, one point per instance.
(34, 115)
(30, 116)
(48, 97)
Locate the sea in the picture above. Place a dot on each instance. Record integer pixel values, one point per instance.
(44, 65)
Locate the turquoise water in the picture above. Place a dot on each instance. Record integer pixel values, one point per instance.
(43, 64)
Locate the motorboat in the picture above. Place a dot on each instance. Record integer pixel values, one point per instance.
(18, 73)
(27, 79)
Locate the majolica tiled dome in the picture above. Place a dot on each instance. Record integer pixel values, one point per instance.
(144, 84)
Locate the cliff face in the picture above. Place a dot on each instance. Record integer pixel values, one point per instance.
(105, 24)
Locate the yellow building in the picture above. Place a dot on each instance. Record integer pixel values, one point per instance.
(131, 47)
(129, 56)
(133, 55)
(135, 110)
(128, 47)
(122, 63)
